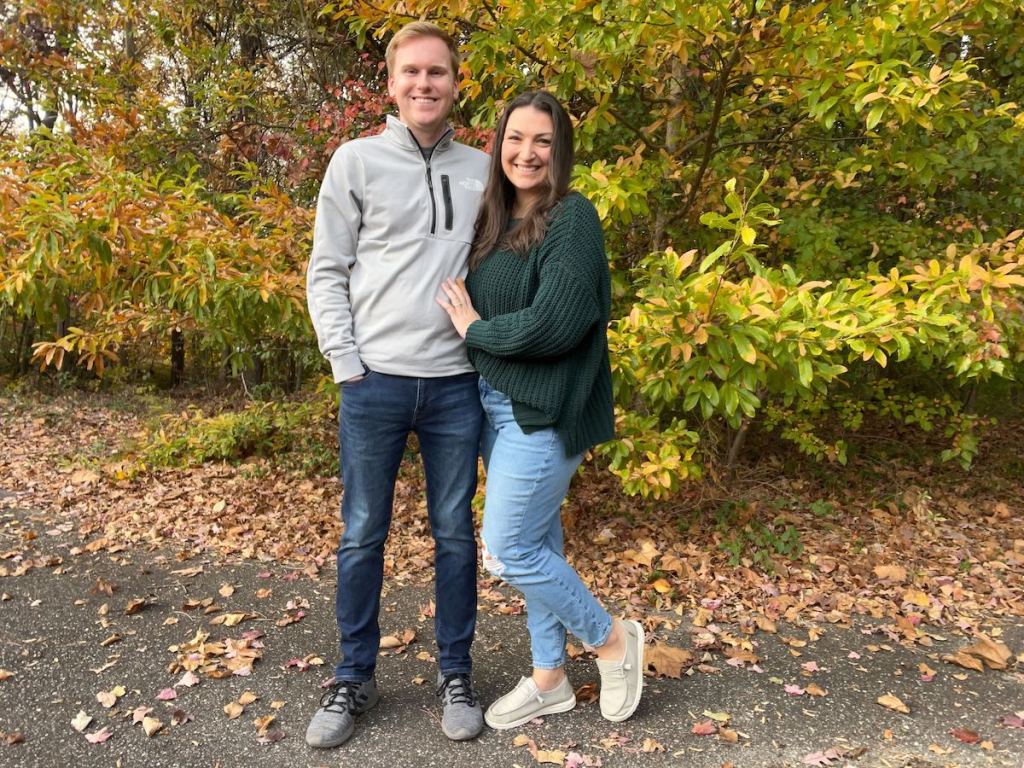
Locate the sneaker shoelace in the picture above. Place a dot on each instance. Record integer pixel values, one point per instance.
(341, 697)
(457, 689)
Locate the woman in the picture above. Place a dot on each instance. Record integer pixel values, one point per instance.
(534, 312)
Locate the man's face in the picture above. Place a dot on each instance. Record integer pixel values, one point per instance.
(422, 83)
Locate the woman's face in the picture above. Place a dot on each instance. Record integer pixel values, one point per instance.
(526, 152)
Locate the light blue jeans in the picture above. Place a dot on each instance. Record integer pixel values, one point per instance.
(528, 476)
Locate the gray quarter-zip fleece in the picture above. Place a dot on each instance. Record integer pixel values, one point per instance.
(390, 227)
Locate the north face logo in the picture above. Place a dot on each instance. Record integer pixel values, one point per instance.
(473, 185)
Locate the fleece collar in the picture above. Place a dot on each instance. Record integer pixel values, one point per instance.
(402, 135)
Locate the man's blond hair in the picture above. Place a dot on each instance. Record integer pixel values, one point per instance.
(416, 29)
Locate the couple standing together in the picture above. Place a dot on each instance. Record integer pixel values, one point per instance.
(465, 298)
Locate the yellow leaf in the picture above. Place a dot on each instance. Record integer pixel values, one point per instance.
(661, 586)
(892, 702)
(917, 597)
(553, 756)
(151, 725)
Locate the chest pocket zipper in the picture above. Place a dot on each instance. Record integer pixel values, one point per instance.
(446, 193)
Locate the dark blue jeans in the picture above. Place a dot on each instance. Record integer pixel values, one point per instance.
(377, 415)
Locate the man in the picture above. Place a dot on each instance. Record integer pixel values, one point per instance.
(394, 218)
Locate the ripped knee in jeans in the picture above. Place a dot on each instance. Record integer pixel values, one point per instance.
(492, 564)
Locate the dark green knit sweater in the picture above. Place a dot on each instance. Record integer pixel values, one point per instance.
(543, 339)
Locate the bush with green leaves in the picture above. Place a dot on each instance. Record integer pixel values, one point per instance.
(712, 346)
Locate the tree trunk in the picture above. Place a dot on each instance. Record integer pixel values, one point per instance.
(177, 357)
(25, 345)
(671, 143)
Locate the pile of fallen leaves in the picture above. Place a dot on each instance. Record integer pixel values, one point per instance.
(918, 546)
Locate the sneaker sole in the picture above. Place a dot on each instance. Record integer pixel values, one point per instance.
(463, 734)
(631, 708)
(550, 709)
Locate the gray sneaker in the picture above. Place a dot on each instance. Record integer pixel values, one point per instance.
(525, 702)
(334, 721)
(622, 682)
(461, 718)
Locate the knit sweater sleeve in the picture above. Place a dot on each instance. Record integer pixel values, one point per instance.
(565, 306)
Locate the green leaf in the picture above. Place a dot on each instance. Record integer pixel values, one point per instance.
(744, 348)
(805, 371)
(874, 116)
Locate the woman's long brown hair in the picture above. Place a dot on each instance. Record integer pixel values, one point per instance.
(499, 195)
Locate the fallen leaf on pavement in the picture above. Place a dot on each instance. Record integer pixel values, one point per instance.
(5, 674)
(587, 693)
(994, 653)
(521, 740)
(729, 735)
(1016, 720)
(167, 694)
(180, 717)
(247, 697)
(667, 660)
(965, 735)
(15, 737)
(233, 709)
(822, 758)
(139, 714)
(651, 745)
(816, 690)
(718, 717)
(187, 680)
(704, 728)
(794, 690)
(892, 702)
(263, 723)
(99, 736)
(270, 737)
(109, 698)
(967, 662)
(226, 590)
(136, 605)
(151, 725)
(551, 756)
(81, 721)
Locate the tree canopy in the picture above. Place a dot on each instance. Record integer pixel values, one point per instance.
(812, 208)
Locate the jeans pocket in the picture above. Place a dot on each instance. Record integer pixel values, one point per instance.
(367, 374)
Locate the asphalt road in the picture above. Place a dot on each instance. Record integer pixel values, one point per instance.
(53, 633)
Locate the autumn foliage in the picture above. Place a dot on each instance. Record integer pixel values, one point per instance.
(813, 209)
